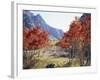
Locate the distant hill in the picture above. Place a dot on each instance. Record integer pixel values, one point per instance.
(30, 20)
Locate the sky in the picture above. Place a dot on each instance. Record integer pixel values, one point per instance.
(57, 19)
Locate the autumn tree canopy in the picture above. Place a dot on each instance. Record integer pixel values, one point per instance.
(35, 38)
(79, 32)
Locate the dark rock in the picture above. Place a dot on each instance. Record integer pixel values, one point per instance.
(50, 66)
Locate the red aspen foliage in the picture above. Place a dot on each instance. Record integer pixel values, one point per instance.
(79, 31)
(35, 38)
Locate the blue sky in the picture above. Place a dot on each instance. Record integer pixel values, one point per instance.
(58, 20)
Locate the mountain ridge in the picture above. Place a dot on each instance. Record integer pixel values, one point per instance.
(30, 20)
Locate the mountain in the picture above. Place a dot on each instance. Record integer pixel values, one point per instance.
(30, 20)
(84, 15)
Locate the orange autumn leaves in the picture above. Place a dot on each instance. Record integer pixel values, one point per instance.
(35, 38)
(79, 31)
